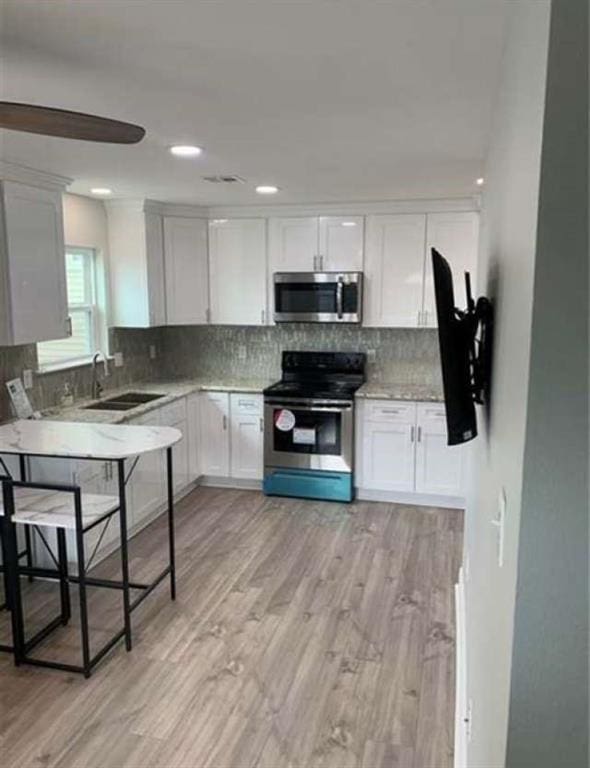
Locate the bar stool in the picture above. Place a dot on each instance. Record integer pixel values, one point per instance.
(61, 507)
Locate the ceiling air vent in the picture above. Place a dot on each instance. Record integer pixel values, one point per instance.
(224, 178)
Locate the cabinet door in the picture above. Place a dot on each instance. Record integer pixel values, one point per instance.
(293, 244)
(35, 261)
(341, 243)
(175, 415)
(194, 436)
(394, 263)
(439, 467)
(388, 446)
(154, 246)
(247, 436)
(455, 236)
(187, 278)
(215, 434)
(148, 481)
(237, 268)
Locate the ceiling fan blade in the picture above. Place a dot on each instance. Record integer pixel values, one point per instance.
(67, 125)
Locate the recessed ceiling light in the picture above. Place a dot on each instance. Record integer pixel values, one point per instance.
(267, 189)
(480, 181)
(349, 223)
(185, 150)
(101, 191)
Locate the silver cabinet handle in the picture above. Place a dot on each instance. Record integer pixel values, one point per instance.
(261, 424)
(315, 263)
(321, 260)
(419, 317)
(425, 318)
(262, 315)
(419, 434)
(339, 295)
(69, 326)
(389, 410)
(412, 434)
(224, 421)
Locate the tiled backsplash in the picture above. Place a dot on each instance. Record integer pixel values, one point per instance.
(401, 355)
(405, 356)
(49, 387)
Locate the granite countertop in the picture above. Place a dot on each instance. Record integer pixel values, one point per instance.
(375, 390)
(171, 391)
(46, 438)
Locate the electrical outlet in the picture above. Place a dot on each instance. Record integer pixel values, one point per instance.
(500, 524)
(118, 358)
(371, 355)
(153, 352)
(242, 352)
(28, 379)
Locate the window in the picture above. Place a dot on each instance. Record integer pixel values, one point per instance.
(82, 309)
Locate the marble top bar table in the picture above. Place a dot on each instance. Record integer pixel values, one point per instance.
(66, 506)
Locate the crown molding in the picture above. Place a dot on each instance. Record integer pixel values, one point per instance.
(32, 176)
(438, 205)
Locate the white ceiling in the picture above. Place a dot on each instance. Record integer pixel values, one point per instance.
(330, 100)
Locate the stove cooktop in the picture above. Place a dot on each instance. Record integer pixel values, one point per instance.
(319, 375)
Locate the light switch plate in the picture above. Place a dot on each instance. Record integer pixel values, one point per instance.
(118, 358)
(500, 524)
(28, 378)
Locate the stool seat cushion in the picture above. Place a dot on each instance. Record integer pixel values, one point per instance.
(34, 506)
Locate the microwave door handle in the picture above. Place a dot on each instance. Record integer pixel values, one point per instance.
(339, 293)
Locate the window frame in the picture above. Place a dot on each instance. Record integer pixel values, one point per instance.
(91, 308)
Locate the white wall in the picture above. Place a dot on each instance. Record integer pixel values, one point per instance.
(506, 275)
(527, 640)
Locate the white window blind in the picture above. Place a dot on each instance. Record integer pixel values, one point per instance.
(81, 285)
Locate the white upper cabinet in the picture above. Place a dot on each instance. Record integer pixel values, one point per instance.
(33, 295)
(455, 236)
(186, 270)
(341, 243)
(394, 264)
(237, 270)
(316, 244)
(136, 245)
(293, 244)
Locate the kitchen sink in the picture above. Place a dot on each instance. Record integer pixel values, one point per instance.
(113, 405)
(124, 402)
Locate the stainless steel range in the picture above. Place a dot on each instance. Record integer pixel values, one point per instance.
(309, 425)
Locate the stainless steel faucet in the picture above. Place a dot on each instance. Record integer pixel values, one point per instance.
(96, 385)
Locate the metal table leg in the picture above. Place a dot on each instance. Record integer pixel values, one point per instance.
(124, 553)
(170, 480)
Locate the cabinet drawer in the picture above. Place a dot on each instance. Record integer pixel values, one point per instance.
(246, 404)
(173, 412)
(389, 410)
(431, 412)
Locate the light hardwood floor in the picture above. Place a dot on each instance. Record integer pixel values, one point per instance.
(304, 634)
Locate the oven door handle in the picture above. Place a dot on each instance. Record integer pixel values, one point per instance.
(314, 405)
(314, 408)
(339, 295)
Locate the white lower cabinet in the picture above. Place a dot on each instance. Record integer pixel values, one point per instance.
(403, 448)
(147, 489)
(439, 468)
(388, 446)
(214, 438)
(247, 436)
(175, 415)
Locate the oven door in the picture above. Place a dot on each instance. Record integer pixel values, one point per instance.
(318, 297)
(307, 434)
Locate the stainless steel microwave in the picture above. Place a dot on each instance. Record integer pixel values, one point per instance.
(318, 297)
